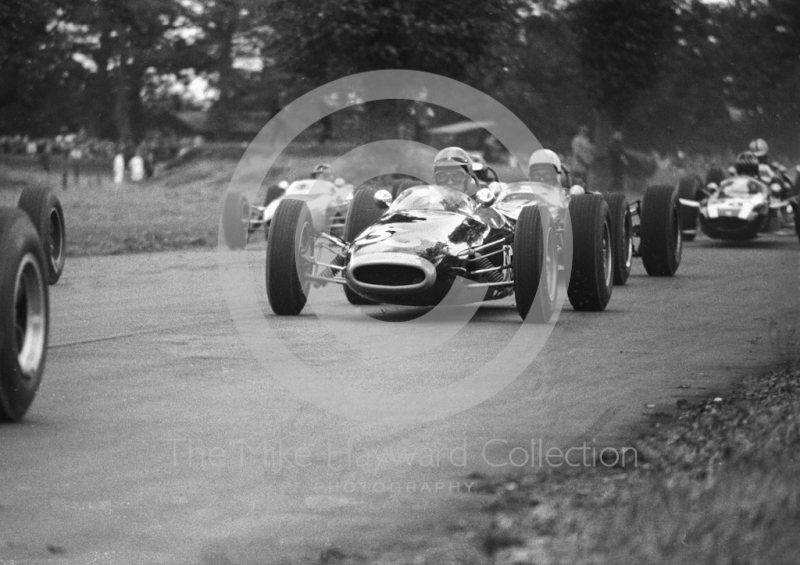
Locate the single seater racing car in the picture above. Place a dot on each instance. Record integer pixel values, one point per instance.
(433, 240)
(737, 208)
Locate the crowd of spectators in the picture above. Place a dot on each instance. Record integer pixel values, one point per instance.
(70, 152)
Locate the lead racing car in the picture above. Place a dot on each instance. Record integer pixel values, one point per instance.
(434, 240)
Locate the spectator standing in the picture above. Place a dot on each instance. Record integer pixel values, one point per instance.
(583, 153)
(149, 162)
(47, 153)
(137, 168)
(618, 161)
(119, 166)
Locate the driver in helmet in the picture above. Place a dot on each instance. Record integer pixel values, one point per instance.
(452, 167)
(747, 164)
(545, 166)
(771, 173)
(323, 172)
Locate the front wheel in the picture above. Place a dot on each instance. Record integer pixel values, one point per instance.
(535, 264)
(592, 259)
(689, 189)
(362, 214)
(290, 243)
(661, 243)
(621, 235)
(24, 313)
(47, 215)
(235, 220)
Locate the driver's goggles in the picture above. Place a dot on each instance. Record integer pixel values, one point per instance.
(450, 177)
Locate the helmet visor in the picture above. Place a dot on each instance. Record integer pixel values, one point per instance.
(450, 176)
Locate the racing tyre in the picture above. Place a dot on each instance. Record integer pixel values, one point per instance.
(235, 220)
(796, 210)
(24, 313)
(291, 236)
(592, 258)
(535, 264)
(362, 213)
(47, 215)
(621, 235)
(689, 189)
(661, 242)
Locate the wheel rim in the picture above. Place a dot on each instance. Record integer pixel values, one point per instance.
(551, 266)
(676, 230)
(607, 255)
(628, 242)
(56, 239)
(305, 248)
(29, 316)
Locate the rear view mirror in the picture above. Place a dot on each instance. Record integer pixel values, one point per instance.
(339, 182)
(383, 199)
(486, 197)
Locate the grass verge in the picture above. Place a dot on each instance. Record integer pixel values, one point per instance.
(177, 209)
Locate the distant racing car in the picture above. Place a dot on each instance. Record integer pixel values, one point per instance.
(737, 208)
(241, 219)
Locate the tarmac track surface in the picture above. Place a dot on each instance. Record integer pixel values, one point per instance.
(157, 437)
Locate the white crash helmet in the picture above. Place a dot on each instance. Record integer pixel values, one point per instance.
(452, 157)
(759, 147)
(545, 158)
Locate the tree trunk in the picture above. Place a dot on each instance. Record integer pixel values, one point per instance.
(600, 177)
(122, 110)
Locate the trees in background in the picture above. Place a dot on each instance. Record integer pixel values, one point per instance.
(669, 73)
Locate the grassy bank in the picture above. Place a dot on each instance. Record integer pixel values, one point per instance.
(178, 208)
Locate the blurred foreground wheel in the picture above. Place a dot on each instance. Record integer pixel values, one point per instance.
(47, 215)
(235, 220)
(24, 313)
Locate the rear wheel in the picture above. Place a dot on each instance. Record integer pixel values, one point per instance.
(621, 228)
(661, 244)
(592, 258)
(362, 214)
(290, 240)
(24, 313)
(689, 189)
(47, 215)
(235, 220)
(535, 264)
